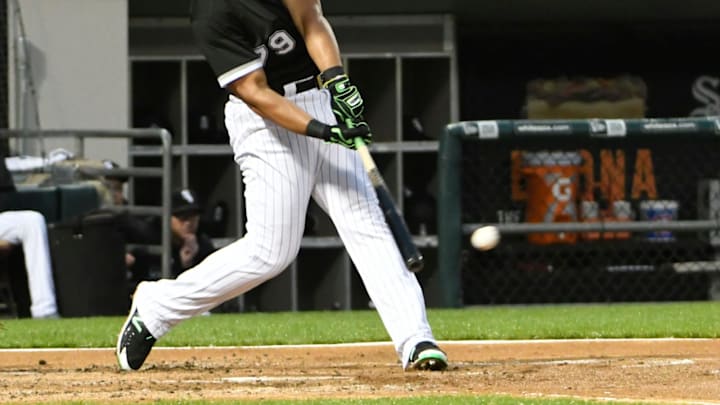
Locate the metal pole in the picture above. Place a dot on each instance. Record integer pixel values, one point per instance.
(448, 217)
(629, 226)
(25, 95)
(166, 203)
(19, 58)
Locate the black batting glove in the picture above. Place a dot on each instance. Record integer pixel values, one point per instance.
(347, 103)
(340, 134)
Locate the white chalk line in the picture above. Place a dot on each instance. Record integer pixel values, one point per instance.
(590, 361)
(260, 379)
(369, 344)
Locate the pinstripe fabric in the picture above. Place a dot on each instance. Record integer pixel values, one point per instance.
(281, 172)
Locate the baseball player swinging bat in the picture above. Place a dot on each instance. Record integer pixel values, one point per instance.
(410, 252)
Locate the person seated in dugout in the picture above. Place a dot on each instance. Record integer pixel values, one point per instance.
(135, 228)
(115, 183)
(27, 228)
(189, 245)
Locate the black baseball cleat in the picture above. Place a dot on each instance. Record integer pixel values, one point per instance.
(427, 356)
(134, 343)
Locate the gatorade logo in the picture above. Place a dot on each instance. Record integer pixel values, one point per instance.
(562, 189)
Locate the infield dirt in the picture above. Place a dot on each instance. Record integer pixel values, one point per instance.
(663, 371)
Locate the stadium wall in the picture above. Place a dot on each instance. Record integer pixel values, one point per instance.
(79, 63)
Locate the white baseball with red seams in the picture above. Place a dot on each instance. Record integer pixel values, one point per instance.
(485, 237)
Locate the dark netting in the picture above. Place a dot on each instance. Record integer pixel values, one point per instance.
(568, 179)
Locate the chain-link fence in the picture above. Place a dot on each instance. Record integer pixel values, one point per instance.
(589, 210)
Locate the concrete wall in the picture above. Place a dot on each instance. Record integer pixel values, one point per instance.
(78, 51)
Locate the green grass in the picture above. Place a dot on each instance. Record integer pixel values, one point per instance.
(680, 320)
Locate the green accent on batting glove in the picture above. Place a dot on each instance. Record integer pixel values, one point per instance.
(347, 103)
(365, 137)
(340, 134)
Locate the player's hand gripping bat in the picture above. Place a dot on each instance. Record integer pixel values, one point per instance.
(410, 252)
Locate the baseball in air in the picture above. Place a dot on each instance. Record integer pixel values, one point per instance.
(485, 237)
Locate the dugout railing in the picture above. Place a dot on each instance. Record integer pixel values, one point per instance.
(638, 219)
(157, 136)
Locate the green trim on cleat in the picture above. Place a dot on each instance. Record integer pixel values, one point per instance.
(427, 356)
(134, 342)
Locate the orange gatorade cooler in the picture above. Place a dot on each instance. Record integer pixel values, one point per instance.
(551, 182)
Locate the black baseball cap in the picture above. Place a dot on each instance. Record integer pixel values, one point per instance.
(185, 202)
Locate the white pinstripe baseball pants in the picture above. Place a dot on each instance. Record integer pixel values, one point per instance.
(281, 172)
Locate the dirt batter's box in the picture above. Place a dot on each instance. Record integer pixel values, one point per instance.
(589, 210)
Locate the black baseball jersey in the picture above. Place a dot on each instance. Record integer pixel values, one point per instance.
(240, 36)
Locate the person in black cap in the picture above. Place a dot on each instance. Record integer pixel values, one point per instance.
(189, 246)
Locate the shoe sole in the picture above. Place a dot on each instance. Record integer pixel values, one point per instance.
(120, 353)
(431, 360)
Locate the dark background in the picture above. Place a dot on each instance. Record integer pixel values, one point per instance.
(496, 65)
(482, 11)
(504, 44)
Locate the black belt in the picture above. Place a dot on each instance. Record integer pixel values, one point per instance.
(303, 85)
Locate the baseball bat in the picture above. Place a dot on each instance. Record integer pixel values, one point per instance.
(410, 253)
